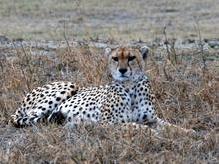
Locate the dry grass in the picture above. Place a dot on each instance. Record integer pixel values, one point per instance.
(186, 95)
(185, 82)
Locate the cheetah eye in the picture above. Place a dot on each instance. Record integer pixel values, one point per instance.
(131, 58)
(115, 58)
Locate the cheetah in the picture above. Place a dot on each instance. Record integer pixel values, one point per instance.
(127, 99)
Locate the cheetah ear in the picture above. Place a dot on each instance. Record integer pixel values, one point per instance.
(144, 51)
(108, 51)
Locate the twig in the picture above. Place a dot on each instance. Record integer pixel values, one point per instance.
(201, 46)
(22, 70)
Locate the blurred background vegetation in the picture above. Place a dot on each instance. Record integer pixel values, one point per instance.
(120, 20)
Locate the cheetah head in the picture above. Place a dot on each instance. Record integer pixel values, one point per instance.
(126, 63)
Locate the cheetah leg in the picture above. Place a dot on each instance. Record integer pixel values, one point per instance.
(130, 125)
(137, 126)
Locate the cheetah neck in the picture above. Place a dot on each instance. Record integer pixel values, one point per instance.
(130, 84)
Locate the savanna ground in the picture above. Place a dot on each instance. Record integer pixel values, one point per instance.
(183, 66)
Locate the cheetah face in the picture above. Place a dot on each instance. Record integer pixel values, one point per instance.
(126, 63)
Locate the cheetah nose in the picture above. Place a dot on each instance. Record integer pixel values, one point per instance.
(122, 70)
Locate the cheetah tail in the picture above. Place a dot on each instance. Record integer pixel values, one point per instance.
(162, 123)
(21, 119)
